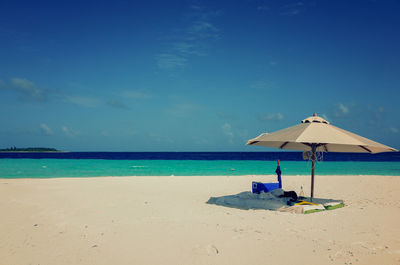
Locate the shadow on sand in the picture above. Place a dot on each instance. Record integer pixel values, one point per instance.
(267, 201)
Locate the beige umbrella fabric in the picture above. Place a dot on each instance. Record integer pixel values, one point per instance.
(316, 134)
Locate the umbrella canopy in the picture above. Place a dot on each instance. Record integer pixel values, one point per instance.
(316, 134)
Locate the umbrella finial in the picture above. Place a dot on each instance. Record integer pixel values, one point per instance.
(314, 118)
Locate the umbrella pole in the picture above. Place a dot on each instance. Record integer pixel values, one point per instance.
(313, 149)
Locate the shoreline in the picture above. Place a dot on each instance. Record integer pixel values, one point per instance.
(273, 176)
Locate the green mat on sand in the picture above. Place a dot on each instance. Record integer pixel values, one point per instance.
(322, 207)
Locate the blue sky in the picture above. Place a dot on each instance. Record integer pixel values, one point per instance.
(194, 75)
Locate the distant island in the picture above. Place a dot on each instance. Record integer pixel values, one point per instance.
(29, 149)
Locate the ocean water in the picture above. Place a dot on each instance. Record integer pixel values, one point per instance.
(95, 164)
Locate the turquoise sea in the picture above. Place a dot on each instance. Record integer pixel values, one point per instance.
(56, 168)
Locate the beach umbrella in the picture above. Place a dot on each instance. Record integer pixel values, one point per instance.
(316, 135)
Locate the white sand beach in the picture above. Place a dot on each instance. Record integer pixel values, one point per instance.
(165, 220)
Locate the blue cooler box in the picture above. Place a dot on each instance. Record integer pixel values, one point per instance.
(257, 187)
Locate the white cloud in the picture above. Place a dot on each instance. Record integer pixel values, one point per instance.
(263, 85)
(77, 85)
(168, 61)
(226, 116)
(183, 109)
(227, 130)
(271, 117)
(117, 104)
(200, 141)
(263, 8)
(186, 48)
(203, 29)
(27, 89)
(88, 102)
(196, 7)
(46, 129)
(341, 110)
(325, 117)
(291, 12)
(393, 130)
(192, 41)
(69, 132)
(183, 47)
(22, 83)
(226, 127)
(293, 9)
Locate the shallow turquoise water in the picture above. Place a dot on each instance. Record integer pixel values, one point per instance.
(53, 168)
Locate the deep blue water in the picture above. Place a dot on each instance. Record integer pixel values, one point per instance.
(95, 164)
(263, 156)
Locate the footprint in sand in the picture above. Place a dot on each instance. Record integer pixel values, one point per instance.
(211, 249)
